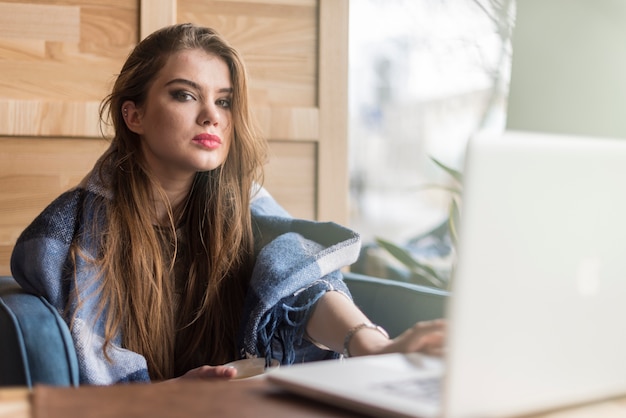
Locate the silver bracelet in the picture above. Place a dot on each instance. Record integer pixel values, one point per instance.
(354, 330)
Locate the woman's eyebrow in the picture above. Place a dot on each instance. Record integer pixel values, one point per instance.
(196, 86)
(184, 81)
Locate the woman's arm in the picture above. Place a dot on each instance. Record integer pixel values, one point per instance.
(336, 317)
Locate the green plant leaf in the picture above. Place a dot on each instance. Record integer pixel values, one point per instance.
(427, 272)
(454, 216)
(457, 175)
(406, 258)
(399, 253)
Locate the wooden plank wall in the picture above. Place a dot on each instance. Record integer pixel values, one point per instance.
(58, 59)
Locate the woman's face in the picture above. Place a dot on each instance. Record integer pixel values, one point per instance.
(185, 125)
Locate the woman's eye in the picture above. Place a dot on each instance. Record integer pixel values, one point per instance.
(224, 103)
(182, 96)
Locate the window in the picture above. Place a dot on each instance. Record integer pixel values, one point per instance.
(423, 76)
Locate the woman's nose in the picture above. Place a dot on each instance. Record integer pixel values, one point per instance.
(209, 115)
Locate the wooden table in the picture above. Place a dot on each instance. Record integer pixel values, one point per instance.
(15, 403)
(244, 398)
(247, 398)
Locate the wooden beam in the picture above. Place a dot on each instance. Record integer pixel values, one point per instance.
(333, 184)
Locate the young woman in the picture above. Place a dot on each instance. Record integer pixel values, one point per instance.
(169, 259)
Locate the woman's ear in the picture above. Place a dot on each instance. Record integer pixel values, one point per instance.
(132, 116)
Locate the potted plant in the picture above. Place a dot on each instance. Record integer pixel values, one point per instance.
(429, 258)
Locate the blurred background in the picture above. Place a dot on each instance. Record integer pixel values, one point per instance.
(423, 76)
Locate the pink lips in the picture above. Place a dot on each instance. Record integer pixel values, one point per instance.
(208, 140)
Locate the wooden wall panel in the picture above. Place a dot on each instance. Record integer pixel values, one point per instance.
(34, 171)
(292, 176)
(40, 21)
(58, 59)
(49, 118)
(55, 75)
(288, 123)
(155, 14)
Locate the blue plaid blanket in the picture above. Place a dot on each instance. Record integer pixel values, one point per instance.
(297, 262)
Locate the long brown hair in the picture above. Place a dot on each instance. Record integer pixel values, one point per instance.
(137, 283)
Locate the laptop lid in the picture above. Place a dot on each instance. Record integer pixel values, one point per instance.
(538, 294)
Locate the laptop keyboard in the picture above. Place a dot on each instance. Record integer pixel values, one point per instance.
(422, 388)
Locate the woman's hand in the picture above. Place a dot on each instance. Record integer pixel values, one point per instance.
(211, 372)
(426, 337)
(335, 314)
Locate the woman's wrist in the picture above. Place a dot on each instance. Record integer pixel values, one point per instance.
(365, 339)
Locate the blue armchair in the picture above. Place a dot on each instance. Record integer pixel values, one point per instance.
(36, 346)
(35, 343)
(395, 305)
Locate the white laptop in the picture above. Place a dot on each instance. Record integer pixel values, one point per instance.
(536, 316)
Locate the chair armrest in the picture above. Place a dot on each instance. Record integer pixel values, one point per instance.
(36, 345)
(395, 305)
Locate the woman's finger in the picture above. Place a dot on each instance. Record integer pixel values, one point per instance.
(207, 372)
